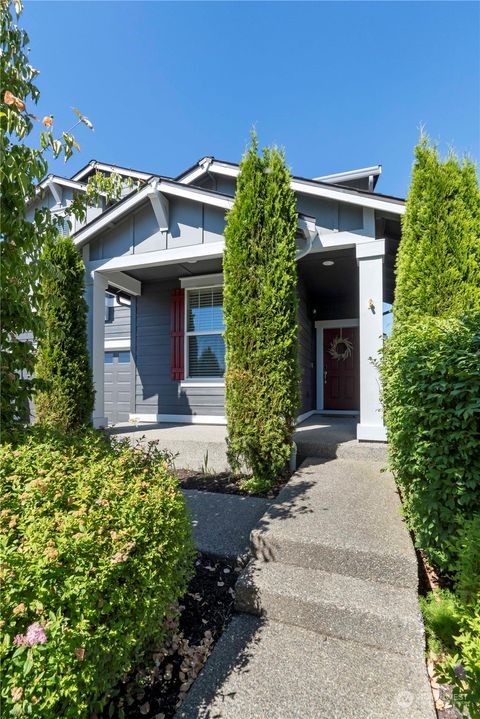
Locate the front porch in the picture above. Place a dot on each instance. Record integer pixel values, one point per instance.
(204, 447)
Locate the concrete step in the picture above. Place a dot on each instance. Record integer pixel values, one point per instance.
(340, 516)
(375, 614)
(222, 522)
(267, 670)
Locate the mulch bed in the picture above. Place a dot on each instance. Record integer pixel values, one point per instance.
(156, 688)
(224, 482)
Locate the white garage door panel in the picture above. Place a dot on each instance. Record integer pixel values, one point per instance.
(118, 381)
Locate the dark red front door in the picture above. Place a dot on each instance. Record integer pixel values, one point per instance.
(341, 369)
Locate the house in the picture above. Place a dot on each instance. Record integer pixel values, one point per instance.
(158, 351)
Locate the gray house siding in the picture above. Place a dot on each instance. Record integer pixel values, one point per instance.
(190, 223)
(117, 324)
(306, 351)
(155, 391)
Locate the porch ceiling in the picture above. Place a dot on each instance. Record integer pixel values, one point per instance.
(330, 282)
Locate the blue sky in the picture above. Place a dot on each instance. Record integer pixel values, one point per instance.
(339, 84)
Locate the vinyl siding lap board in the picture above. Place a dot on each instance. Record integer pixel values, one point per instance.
(155, 391)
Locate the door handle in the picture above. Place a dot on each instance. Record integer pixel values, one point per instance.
(325, 377)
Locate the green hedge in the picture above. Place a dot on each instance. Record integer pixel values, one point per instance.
(464, 665)
(431, 395)
(65, 396)
(96, 549)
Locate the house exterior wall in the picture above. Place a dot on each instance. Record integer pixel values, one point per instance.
(156, 393)
(190, 223)
(117, 324)
(306, 351)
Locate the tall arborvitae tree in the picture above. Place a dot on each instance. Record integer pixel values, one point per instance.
(260, 301)
(62, 368)
(438, 263)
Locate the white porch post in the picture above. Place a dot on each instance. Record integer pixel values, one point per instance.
(95, 288)
(370, 270)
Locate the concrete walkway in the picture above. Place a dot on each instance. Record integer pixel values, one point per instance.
(330, 626)
(198, 445)
(222, 522)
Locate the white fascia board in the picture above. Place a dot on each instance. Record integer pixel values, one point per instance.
(103, 221)
(195, 193)
(192, 176)
(203, 166)
(339, 177)
(136, 174)
(194, 281)
(208, 251)
(326, 239)
(376, 203)
(367, 250)
(310, 188)
(65, 182)
(124, 282)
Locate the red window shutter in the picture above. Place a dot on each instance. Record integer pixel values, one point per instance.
(177, 333)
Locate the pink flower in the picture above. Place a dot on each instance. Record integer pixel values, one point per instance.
(35, 634)
(19, 640)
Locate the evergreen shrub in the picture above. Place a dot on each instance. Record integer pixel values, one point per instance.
(438, 261)
(260, 303)
(62, 368)
(96, 549)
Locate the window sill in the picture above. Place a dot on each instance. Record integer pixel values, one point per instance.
(202, 383)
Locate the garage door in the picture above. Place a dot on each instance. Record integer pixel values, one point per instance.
(118, 382)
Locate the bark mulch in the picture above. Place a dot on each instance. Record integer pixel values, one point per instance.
(156, 688)
(224, 482)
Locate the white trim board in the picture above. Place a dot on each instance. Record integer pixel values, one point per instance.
(178, 418)
(321, 325)
(311, 187)
(187, 384)
(114, 344)
(339, 177)
(193, 282)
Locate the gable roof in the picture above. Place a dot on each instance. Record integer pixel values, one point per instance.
(165, 186)
(127, 171)
(64, 181)
(338, 178)
(304, 185)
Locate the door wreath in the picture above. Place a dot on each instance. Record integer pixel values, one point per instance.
(340, 348)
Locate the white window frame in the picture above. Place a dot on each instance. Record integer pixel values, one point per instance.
(199, 381)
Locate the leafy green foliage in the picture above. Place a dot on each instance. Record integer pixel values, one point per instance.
(260, 303)
(96, 549)
(441, 618)
(431, 394)
(23, 239)
(463, 668)
(452, 621)
(62, 367)
(22, 167)
(438, 262)
(466, 550)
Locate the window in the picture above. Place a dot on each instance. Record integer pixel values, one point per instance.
(119, 357)
(204, 337)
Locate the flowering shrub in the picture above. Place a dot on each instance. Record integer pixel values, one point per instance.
(96, 549)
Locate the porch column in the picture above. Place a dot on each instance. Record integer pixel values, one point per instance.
(370, 271)
(95, 288)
